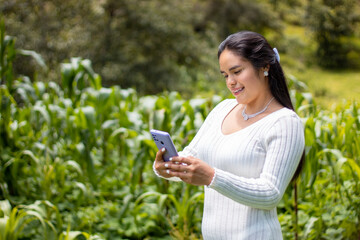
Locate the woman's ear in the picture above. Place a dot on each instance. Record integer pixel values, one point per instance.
(266, 68)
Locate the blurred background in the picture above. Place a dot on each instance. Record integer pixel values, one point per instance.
(83, 81)
(157, 45)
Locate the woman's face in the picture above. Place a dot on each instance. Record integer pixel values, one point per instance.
(248, 85)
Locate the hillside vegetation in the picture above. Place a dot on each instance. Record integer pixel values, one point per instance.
(82, 82)
(76, 161)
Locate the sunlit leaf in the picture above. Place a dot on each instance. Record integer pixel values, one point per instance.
(36, 56)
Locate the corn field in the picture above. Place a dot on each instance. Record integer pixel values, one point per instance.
(76, 160)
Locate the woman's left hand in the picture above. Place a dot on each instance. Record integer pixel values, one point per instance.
(191, 170)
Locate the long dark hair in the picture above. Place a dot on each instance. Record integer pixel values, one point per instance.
(255, 48)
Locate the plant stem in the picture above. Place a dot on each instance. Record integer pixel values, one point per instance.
(296, 210)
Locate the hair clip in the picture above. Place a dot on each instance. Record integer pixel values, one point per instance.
(276, 54)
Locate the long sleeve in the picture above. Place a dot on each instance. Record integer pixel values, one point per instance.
(284, 144)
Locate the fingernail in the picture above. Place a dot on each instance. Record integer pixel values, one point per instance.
(163, 149)
(170, 159)
(166, 165)
(176, 162)
(167, 171)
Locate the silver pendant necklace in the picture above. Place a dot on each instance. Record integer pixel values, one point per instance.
(246, 117)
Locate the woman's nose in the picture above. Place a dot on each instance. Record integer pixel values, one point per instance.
(231, 80)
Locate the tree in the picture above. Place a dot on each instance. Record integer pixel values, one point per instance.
(231, 16)
(334, 23)
(151, 45)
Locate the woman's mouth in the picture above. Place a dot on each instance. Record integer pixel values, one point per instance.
(238, 91)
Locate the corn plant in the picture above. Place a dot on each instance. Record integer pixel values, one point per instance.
(7, 56)
(15, 221)
(72, 235)
(76, 161)
(329, 183)
(76, 76)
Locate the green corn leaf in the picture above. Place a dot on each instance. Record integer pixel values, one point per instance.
(36, 56)
(147, 104)
(124, 132)
(75, 62)
(146, 195)
(39, 89)
(82, 187)
(125, 206)
(55, 89)
(31, 155)
(86, 63)
(74, 165)
(5, 207)
(340, 160)
(72, 235)
(86, 118)
(104, 96)
(354, 166)
(310, 226)
(43, 112)
(23, 94)
(109, 124)
(3, 227)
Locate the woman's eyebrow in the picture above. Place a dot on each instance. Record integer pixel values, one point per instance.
(232, 68)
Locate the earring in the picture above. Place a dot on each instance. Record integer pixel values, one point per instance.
(266, 73)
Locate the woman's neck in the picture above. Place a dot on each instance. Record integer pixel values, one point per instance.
(259, 105)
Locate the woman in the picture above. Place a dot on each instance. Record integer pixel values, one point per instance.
(248, 149)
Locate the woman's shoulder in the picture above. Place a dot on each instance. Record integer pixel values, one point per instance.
(282, 124)
(287, 113)
(284, 116)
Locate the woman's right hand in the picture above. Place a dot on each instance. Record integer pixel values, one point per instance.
(160, 165)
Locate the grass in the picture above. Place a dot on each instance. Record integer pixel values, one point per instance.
(329, 87)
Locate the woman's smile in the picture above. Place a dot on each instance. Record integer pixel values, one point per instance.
(238, 91)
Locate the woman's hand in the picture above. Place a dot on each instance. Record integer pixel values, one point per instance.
(191, 170)
(160, 165)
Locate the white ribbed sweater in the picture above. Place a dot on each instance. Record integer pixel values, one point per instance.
(253, 168)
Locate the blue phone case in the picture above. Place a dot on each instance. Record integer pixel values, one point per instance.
(163, 139)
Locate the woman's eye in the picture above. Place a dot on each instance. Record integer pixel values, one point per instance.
(238, 71)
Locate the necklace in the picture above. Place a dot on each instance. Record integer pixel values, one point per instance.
(246, 117)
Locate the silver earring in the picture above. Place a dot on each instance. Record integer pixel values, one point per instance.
(266, 73)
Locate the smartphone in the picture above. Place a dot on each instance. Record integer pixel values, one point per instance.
(163, 139)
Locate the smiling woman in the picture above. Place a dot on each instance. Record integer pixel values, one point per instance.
(239, 73)
(248, 149)
(249, 87)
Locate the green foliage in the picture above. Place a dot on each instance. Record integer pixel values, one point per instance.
(92, 159)
(76, 162)
(329, 184)
(7, 55)
(88, 151)
(334, 24)
(233, 16)
(141, 44)
(14, 222)
(150, 46)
